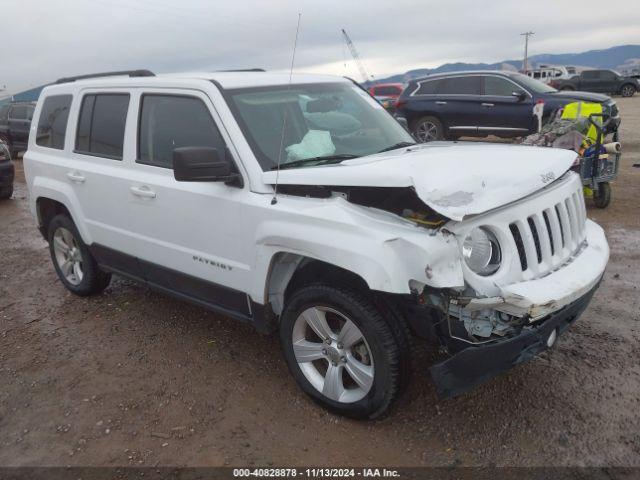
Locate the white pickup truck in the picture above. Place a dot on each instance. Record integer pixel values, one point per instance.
(305, 208)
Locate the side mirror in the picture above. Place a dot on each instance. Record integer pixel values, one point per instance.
(403, 121)
(204, 164)
(520, 95)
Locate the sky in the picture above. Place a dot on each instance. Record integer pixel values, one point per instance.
(48, 39)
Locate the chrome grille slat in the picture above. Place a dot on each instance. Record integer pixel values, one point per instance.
(543, 237)
(555, 230)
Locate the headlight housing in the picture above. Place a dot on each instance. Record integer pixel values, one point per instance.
(481, 251)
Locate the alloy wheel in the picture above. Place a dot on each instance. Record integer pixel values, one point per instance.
(68, 256)
(427, 132)
(628, 91)
(333, 354)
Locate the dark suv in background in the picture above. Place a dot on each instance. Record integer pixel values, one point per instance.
(477, 104)
(15, 123)
(603, 81)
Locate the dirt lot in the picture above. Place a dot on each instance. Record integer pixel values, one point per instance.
(132, 377)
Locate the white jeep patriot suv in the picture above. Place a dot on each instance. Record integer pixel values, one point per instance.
(305, 208)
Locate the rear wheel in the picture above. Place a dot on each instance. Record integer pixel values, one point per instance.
(341, 350)
(602, 196)
(628, 90)
(74, 264)
(428, 129)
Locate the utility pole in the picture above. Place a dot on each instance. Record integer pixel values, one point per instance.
(525, 63)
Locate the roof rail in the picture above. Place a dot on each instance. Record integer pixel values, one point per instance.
(130, 73)
(244, 70)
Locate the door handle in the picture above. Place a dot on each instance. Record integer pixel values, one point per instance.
(76, 177)
(143, 191)
(487, 104)
(440, 102)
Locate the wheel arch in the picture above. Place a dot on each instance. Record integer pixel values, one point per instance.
(46, 208)
(288, 271)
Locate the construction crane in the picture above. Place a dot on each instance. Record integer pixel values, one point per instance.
(356, 57)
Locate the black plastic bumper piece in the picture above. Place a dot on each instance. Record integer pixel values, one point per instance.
(477, 364)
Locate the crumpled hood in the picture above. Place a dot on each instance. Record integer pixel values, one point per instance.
(454, 179)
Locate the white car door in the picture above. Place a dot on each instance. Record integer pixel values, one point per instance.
(188, 233)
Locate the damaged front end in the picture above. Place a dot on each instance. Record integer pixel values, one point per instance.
(486, 343)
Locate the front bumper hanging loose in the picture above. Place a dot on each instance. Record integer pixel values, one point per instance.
(477, 364)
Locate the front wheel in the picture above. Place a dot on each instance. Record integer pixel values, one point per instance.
(74, 264)
(341, 350)
(602, 196)
(628, 91)
(428, 129)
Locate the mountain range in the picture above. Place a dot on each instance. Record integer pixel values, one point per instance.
(621, 57)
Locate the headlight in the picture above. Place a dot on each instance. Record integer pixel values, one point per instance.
(481, 251)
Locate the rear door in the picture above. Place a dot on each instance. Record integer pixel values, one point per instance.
(502, 112)
(458, 102)
(594, 81)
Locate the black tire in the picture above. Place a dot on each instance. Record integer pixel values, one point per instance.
(427, 129)
(93, 280)
(6, 192)
(567, 89)
(384, 347)
(602, 196)
(628, 90)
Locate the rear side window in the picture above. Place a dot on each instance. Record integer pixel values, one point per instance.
(170, 121)
(460, 86)
(52, 125)
(101, 125)
(428, 87)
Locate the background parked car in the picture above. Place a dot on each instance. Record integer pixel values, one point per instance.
(387, 94)
(6, 173)
(15, 123)
(483, 103)
(547, 73)
(603, 81)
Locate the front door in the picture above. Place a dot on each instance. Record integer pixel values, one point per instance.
(188, 233)
(503, 113)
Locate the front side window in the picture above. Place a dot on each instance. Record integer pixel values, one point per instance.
(4, 113)
(168, 122)
(101, 125)
(313, 123)
(461, 86)
(52, 125)
(499, 87)
(591, 75)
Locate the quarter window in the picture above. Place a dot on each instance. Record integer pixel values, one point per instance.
(52, 125)
(428, 87)
(168, 122)
(101, 125)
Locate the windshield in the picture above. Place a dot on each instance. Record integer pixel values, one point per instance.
(532, 84)
(323, 121)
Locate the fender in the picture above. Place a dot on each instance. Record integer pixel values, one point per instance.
(43, 187)
(387, 256)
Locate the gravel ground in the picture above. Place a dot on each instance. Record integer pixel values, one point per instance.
(132, 377)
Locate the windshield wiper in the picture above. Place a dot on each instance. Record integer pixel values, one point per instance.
(325, 160)
(397, 145)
